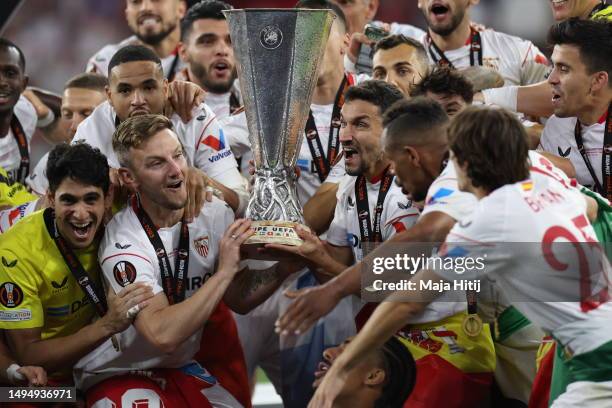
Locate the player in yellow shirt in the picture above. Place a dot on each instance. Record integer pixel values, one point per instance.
(49, 282)
(12, 194)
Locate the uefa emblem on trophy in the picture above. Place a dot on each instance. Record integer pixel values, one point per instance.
(278, 53)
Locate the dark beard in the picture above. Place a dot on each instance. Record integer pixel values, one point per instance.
(155, 39)
(201, 73)
(454, 23)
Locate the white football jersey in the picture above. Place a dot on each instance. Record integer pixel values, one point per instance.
(203, 139)
(37, 179)
(559, 139)
(518, 61)
(9, 150)
(126, 255)
(545, 276)
(98, 63)
(398, 214)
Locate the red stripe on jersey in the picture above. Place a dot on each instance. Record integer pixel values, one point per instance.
(125, 253)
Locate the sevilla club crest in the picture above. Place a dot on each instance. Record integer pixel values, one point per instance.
(201, 246)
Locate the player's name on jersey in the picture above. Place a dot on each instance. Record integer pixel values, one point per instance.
(427, 285)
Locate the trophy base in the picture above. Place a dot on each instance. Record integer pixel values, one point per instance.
(271, 232)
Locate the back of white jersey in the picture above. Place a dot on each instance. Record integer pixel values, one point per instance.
(533, 237)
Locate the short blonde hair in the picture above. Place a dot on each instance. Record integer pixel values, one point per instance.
(136, 130)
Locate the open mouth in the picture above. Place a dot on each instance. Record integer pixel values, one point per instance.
(81, 230)
(439, 9)
(556, 97)
(558, 3)
(221, 68)
(322, 369)
(349, 152)
(174, 186)
(149, 20)
(5, 97)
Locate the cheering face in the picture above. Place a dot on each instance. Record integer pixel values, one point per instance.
(79, 211)
(360, 130)
(12, 78)
(208, 52)
(398, 66)
(153, 20)
(158, 168)
(569, 80)
(444, 16)
(137, 88)
(77, 105)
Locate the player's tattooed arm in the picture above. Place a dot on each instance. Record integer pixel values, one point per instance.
(250, 288)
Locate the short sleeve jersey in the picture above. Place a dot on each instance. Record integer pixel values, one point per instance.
(559, 139)
(518, 61)
(204, 141)
(37, 180)
(10, 157)
(547, 215)
(37, 289)
(98, 63)
(126, 256)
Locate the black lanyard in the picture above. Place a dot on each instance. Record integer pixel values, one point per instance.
(171, 73)
(22, 144)
(234, 103)
(363, 209)
(95, 296)
(174, 284)
(475, 51)
(604, 188)
(598, 8)
(321, 162)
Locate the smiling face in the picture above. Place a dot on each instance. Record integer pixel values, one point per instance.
(399, 66)
(153, 20)
(569, 80)
(444, 16)
(137, 88)
(360, 131)
(157, 169)
(79, 211)
(12, 78)
(208, 52)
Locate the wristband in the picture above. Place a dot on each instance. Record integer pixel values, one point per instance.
(506, 97)
(13, 375)
(47, 120)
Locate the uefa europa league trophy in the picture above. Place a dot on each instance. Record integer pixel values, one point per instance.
(278, 53)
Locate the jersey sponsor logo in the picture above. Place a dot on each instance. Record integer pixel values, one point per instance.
(363, 215)
(17, 213)
(403, 206)
(201, 116)
(9, 264)
(199, 372)
(465, 224)
(564, 153)
(124, 273)
(11, 295)
(78, 304)
(119, 246)
(201, 246)
(33, 176)
(59, 285)
(215, 143)
(17, 315)
(439, 195)
(219, 156)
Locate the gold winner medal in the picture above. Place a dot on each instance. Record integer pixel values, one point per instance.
(472, 325)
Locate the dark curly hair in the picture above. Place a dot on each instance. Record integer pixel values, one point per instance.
(376, 92)
(493, 143)
(79, 162)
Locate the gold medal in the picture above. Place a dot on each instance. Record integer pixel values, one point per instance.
(472, 325)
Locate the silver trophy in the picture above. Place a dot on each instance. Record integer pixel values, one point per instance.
(278, 52)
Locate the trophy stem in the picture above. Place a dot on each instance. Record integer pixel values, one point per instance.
(275, 196)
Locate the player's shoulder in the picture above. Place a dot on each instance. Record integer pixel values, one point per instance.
(122, 233)
(215, 209)
(101, 120)
(26, 113)
(504, 39)
(556, 124)
(346, 187)
(102, 57)
(604, 14)
(202, 117)
(407, 30)
(29, 237)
